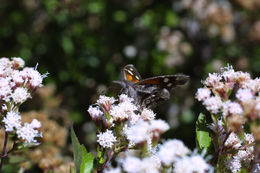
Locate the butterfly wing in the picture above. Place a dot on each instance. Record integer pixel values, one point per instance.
(131, 74)
(165, 81)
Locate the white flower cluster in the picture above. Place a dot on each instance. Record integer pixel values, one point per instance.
(138, 125)
(170, 151)
(172, 156)
(218, 87)
(233, 112)
(123, 124)
(146, 165)
(244, 154)
(145, 131)
(194, 163)
(27, 132)
(106, 139)
(16, 85)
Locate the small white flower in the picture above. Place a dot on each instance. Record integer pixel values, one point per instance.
(233, 141)
(243, 77)
(245, 155)
(28, 133)
(34, 78)
(253, 85)
(20, 95)
(12, 120)
(122, 111)
(133, 119)
(203, 93)
(5, 63)
(17, 78)
(105, 102)
(132, 164)
(35, 123)
(191, 164)
(95, 112)
(229, 74)
(234, 165)
(156, 160)
(183, 165)
(244, 95)
(171, 150)
(241, 155)
(125, 98)
(249, 138)
(213, 80)
(149, 165)
(147, 114)
(138, 133)
(106, 139)
(232, 108)
(213, 104)
(159, 125)
(18, 62)
(5, 89)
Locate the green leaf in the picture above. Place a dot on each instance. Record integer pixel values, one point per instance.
(14, 159)
(100, 156)
(10, 168)
(72, 170)
(204, 140)
(87, 161)
(83, 160)
(76, 150)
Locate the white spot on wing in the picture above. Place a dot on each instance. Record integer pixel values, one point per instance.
(130, 72)
(169, 84)
(165, 80)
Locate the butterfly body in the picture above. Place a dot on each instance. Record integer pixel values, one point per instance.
(149, 92)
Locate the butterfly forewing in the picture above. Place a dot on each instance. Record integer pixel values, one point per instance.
(131, 74)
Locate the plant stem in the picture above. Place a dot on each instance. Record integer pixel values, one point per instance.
(109, 157)
(4, 154)
(220, 148)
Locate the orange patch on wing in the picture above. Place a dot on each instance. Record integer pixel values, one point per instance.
(135, 81)
(151, 81)
(129, 77)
